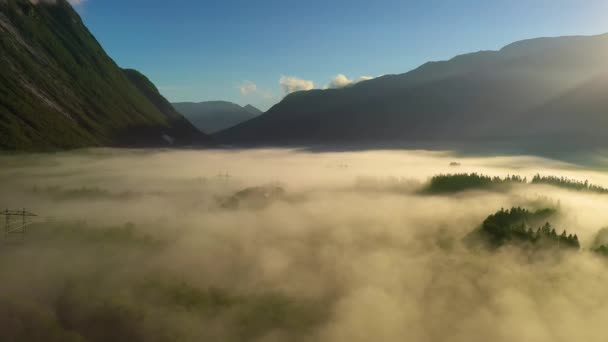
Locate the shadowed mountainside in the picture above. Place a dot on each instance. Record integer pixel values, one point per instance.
(532, 91)
(59, 89)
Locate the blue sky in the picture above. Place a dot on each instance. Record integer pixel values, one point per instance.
(256, 51)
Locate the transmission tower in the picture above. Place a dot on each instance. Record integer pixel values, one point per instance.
(16, 222)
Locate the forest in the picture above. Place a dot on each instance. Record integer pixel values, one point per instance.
(454, 183)
(567, 183)
(519, 225)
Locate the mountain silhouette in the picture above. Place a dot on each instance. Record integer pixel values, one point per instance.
(214, 116)
(529, 91)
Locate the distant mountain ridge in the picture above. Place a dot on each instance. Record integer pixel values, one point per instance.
(252, 110)
(214, 116)
(59, 89)
(523, 92)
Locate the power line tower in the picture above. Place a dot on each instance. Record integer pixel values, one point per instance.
(16, 222)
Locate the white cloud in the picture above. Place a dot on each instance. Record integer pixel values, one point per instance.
(341, 81)
(293, 84)
(76, 2)
(260, 97)
(247, 88)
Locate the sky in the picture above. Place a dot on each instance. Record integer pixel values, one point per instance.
(255, 52)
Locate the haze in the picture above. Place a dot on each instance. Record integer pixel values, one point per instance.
(141, 242)
(313, 171)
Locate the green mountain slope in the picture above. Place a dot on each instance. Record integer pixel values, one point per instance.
(179, 127)
(214, 116)
(511, 95)
(59, 89)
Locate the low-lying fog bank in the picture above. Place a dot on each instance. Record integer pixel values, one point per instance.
(283, 245)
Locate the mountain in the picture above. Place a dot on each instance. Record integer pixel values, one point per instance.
(252, 110)
(180, 127)
(59, 89)
(529, 91)
(580, 114)
(214, 116)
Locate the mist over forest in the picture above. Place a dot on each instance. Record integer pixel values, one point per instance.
(288, 245)
(450, 187)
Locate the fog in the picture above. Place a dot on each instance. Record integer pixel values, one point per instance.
(156, 246)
